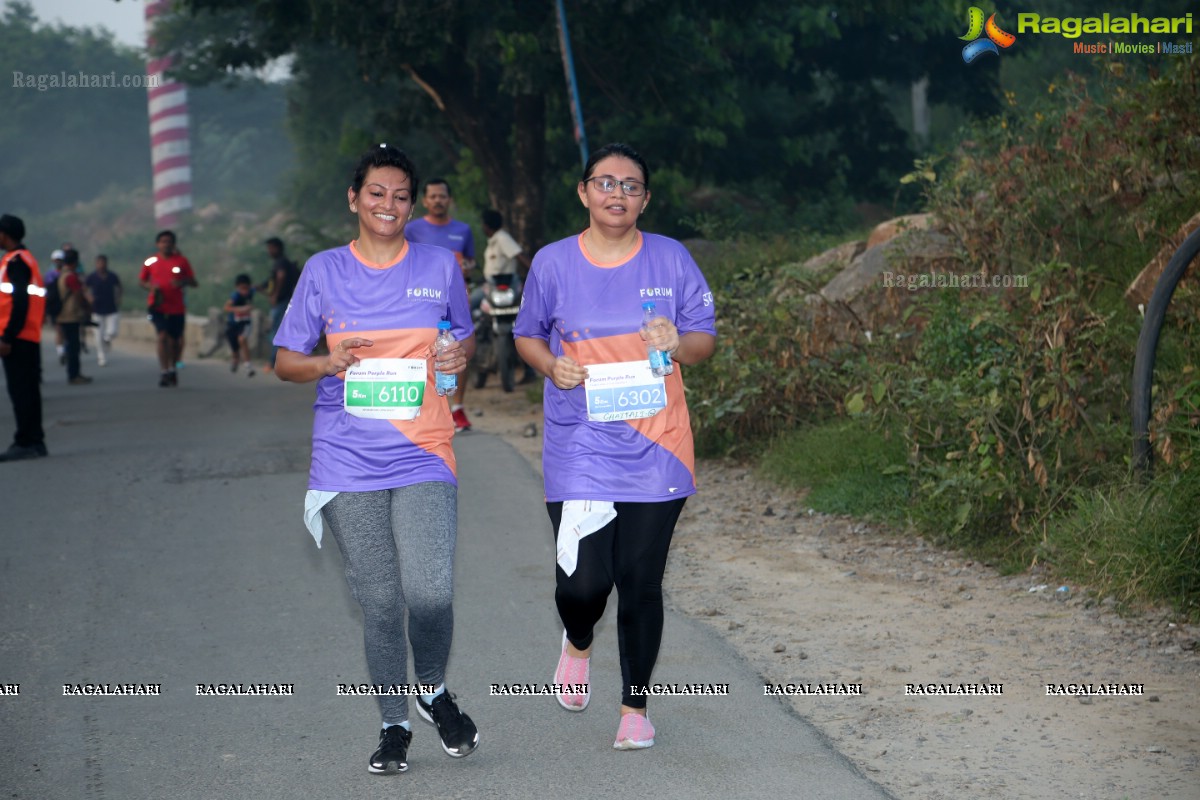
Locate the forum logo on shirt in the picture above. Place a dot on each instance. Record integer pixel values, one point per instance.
(423, 294)
(655, 291)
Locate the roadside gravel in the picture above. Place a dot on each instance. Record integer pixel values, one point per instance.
(812, 599)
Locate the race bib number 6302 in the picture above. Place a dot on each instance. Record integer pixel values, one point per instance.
(626, 390)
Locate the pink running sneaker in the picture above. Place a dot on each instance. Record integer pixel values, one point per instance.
(574, 671)
(635, 733)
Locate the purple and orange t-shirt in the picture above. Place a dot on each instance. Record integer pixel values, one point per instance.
(398, 306)
(592, 312)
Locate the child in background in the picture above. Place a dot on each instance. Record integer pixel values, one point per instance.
(239, 307)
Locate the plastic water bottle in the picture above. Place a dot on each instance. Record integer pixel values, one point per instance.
(660, 362)
(445, 382)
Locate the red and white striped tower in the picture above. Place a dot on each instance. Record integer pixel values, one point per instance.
(169, 146)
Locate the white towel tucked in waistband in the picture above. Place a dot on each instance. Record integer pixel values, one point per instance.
(579, 519)
(314, 501)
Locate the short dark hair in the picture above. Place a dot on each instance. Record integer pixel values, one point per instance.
(161, 234)
(242, 278)
(13, 226)
(100, 256)
(71, 257)
(439, 182)
(617, 149)
(384, 155)
(275, 241)
(493, 219)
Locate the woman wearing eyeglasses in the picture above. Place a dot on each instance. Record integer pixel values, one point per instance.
(617, 457)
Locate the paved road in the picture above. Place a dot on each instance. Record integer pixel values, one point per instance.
(161, 543)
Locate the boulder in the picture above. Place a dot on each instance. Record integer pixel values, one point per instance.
(886, 231)
(873, 291)
(917, 251)
(800, 278)
(841, 255)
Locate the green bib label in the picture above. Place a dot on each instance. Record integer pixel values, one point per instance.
(386, 388)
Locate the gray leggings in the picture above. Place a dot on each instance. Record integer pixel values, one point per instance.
(398, 547)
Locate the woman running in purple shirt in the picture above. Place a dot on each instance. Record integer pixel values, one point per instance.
(383, 472)
(618, 457)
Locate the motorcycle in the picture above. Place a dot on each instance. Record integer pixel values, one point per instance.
(495, 350)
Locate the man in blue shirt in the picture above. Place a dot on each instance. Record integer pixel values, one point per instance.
(104, 290)
(438, 228)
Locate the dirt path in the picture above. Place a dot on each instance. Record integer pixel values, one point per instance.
(812, 599)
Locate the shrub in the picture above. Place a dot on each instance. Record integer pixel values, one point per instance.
(1137, 543)
(759, 381)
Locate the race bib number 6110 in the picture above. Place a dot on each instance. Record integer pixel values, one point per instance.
(386, 388)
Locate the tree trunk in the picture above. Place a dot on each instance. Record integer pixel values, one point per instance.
(514, 172)
(920, 109)
(526, 194)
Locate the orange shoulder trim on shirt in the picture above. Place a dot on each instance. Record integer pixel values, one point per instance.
(368, 263)
(637, 248)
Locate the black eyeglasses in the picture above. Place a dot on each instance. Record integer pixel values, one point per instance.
(606, 183)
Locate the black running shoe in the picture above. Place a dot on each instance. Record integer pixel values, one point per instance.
(392, 754)
(457, 731)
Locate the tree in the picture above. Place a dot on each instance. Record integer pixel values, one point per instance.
(74, 143)
(70, 143)
(787, 94)
(485, 68)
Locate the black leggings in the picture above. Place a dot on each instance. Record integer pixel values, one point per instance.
(631, 553)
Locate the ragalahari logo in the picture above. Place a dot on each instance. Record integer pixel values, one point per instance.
(996, 38)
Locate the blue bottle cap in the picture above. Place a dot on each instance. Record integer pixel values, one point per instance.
(444, 325)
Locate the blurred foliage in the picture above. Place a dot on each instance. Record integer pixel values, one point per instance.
(1009, 403)
(1013, 404)
(758, 382)
(71, 142)
(78, 144)
(758, 117)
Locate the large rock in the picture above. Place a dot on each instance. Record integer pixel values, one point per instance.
(886, 231)
(802, 277)
(842, 255)
(920, 251)
(1138, 293)
(873, 291)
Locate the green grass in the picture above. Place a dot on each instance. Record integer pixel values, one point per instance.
(848, 467)
(1138, 543)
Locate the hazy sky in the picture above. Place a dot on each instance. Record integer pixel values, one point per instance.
(125, 19)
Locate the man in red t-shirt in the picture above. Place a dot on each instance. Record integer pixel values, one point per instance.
(164, 275)
(73, 315)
